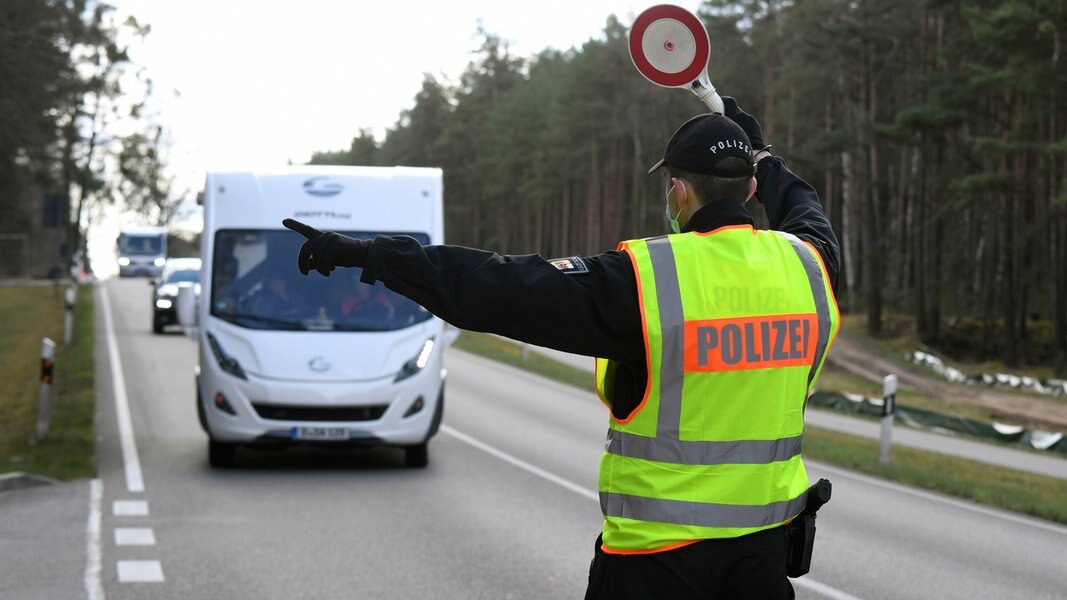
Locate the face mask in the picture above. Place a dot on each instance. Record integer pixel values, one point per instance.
(675, 227)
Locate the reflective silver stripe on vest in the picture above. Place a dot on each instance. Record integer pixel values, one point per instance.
(672, 329)
(666, 447)
(818, 292)
(749, 452)
(702, 514)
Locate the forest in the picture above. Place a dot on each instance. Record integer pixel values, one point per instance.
(73, 117)
(934, 131)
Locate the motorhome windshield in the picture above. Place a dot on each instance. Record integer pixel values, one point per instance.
(255, 284)
(140, 244)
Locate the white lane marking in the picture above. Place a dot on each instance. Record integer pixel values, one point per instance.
(94, 590)
(564, 483)
(140, 571)
(896, 487)
(821, 588)
(134, 536)
(132, 462)
(809, 583)
(129, 508)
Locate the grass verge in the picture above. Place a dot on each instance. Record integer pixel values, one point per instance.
(67, 452)
(1017, 491)
(1008, 489)
(510, 353)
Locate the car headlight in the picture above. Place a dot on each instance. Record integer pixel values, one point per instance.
(226, 362)
(123, 261)
(417, 363)
(164, 303)
(159, 262)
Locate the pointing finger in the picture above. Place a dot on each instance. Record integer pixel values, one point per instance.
(302, 228)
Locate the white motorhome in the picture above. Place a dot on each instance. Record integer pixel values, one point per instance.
(287, 359)
(141, 251)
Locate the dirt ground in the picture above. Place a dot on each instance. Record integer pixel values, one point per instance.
(1031, 410)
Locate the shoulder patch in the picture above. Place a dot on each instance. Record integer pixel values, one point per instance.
(571, 265)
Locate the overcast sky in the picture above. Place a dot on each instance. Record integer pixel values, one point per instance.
(257, 84)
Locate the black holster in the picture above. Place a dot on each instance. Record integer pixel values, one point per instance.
(801, 530)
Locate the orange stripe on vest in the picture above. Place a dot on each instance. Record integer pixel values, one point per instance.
(736, 344)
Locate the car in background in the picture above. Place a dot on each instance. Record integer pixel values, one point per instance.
(176, 271)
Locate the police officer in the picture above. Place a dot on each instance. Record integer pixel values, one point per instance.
(708, 343)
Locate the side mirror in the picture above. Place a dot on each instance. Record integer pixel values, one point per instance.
(154, 281)
(185, 307)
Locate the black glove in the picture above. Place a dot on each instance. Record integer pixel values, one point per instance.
(325, 251)
(747, 122)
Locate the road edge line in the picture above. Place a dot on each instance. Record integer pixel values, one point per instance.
(811, 584)
(821, 588)
(518, 462)
(131, 461)
(94, 589)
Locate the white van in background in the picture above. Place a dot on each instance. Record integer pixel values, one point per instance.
(287, 359)
(142, 251)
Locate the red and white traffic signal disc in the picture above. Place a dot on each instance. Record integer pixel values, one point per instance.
(669, 45)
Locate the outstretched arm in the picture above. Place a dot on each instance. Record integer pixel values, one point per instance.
(588, 306)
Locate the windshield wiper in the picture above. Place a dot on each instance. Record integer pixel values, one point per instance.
(282, 323)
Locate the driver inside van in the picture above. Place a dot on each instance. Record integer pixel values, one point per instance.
(366, 301)
(274, 298)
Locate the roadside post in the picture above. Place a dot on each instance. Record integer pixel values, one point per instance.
(889, 400)
(71, 298)
(185, 305)
(44, 392)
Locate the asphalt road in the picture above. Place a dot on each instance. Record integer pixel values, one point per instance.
(506, 508)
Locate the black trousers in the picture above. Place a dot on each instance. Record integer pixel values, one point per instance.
(751, 566)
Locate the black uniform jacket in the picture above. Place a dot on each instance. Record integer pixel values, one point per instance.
(590, 305)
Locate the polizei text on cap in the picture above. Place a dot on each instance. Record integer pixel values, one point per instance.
(723, 145)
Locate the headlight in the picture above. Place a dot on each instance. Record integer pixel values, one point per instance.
(159, 262)
(123, 261)
(416, 364)
(227, 362)
(163, 303)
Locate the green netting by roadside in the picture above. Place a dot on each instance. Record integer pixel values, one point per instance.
(934, 421)
(1050, 386)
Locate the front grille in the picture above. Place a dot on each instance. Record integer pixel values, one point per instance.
(281, 412)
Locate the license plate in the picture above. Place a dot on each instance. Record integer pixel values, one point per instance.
(331, 434)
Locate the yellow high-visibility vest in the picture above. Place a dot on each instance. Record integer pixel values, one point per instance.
(737, 325)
